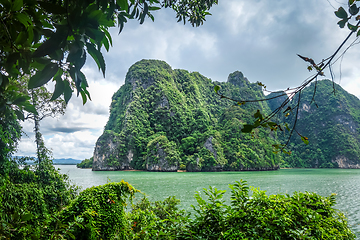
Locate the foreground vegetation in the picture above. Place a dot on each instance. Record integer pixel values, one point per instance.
(40, 203)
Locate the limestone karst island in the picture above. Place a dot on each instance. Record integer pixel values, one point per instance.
(165, 119)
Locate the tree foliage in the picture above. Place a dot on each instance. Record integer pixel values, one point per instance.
(29, 198)
(87, 163)
(51, 40)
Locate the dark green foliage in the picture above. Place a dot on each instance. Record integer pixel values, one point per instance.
(204, 131)
(51, 40)
(29, 198)
(300, 216)
(98, 212)
(87, 163)
(331, 123)
(10, 132)
(158, 220)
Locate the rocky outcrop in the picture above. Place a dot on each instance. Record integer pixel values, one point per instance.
(344, 162)
(159, 162)
(107, 155)
(209, 146)
(237, 78)
(194, 166)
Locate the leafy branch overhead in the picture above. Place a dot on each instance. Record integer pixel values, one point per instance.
(50, 40)
(286, 109)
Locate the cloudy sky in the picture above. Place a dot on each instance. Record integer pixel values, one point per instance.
(260, 38)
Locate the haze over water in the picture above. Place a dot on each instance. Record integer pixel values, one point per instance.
(344, 182)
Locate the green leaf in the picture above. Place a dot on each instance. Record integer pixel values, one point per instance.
(81, 76)
(353, 10)
(67, 92)
(24, 19)
(17, 4)
(83, 96)
(142, 18)
(123, 4)
(351, 2)
(352, 27)
(247, 128)
(272, 124)
(276, 146)
(30, 32)
(87, 93)
(341, 13)
(52, 44)
(107, 34)
(47, 47)
(153, 8)
(151, 16)
(26, 217)
(216, 88)
(258, 115)
(146, 9)
(20, 99)
(342, 23)
(59, 88)
(19, 115)
(95, 34)
(30, 108)
(97, 56)
(106, 43)
(305, 140)
(287, 152)
(44, 76)
(52, 8)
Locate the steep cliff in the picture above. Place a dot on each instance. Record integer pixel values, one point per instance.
(163, 119)
(331, 121)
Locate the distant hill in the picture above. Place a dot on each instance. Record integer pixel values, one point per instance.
(66, 161)
(60, 161)
(331, 121)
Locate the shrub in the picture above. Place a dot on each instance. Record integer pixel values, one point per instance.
(97, 212)
(300, 216)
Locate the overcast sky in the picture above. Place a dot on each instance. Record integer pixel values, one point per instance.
(259, 38)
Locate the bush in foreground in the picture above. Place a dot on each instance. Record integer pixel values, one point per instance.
(300, 216)
(41, 205)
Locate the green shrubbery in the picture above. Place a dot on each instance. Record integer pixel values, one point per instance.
(39, 203)
(30, 196)
(300, 216)
(87, 163)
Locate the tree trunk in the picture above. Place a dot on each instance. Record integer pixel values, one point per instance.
(38, 137)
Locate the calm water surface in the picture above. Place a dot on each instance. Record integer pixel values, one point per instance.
(344, 182)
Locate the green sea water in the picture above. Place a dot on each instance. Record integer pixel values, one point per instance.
(159, 185)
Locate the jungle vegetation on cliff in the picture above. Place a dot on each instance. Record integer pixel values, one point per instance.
(164, 120)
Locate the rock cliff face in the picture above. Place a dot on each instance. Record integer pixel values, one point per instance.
(331, 121)
(163, 118)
